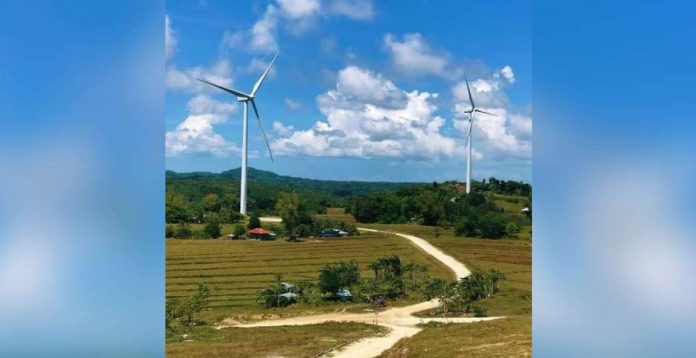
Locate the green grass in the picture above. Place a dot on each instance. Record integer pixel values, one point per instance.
(292, 341)
(509, 337)
(239, 269)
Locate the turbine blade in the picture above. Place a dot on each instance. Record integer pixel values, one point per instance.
(256, 111)
(489, 113)
(234, 92)
(258, 83)
(471, 99)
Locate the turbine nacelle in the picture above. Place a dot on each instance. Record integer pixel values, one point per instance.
(249, 98)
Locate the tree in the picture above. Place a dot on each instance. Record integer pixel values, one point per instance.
(492, 225)
(431, 208)
(444, 291)
(333, 277)
(212, 227)
(170, 307)
(466, 226)
(195, 303)
(176, 208)
(254, 221)
(211, 203)
(288, 207)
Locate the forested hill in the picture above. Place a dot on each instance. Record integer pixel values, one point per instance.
(191, 195)
(288, 183)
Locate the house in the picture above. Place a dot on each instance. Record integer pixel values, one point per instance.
(333, 233)
(290, 296)
(344, 295)
(233, 237)
(261, 234)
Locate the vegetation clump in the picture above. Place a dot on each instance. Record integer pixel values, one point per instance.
(460, 296)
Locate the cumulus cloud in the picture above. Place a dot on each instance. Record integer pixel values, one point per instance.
(488, 92)
(196, 134)
(506, 133)
(281, 129)
(295, 9)
(296, 17)
(293, 104)
(185, 79)
(354, 9)
(368, 116)
(412, 55)
(170, 40)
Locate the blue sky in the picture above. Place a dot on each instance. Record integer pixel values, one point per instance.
(361, 90)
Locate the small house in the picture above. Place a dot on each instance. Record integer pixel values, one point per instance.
(333, 233)
(261, 234)
(344, 295)
(290, 296)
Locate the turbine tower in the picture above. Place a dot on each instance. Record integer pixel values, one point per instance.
(246, 99)
(471, 112)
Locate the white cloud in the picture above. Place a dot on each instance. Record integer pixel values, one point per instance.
(413, 56)
(282, 130)
(170, 40)
(296, 17)
(374, 120)
(202, 104)
(263, 33)
(506, 133)
(185, 80)
(508, 74)
(196, 134)
(293, 104)
(257, 66)
(488, 92)
(299, 8)
(354, 9)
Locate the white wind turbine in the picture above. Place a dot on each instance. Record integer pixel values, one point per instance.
(246, 99)
(471, 112)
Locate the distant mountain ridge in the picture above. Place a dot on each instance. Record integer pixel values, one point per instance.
(256, 176)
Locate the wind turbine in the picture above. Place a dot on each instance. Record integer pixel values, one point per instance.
(246, 99)
(471, 112)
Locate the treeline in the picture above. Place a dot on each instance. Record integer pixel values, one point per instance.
(505, 187)
(473, 214)
(190, 197)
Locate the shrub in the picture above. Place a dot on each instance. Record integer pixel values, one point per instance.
(465, 227)
(169, 231)
(183, 231)
(492, 225)
(239, 230)
(212, 227)
(512, 229)
(478, 311)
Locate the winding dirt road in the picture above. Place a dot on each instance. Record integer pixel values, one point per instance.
(400, 320)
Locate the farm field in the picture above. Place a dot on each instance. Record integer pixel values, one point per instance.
(300, 341)
(237, 270)
(508, 337)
